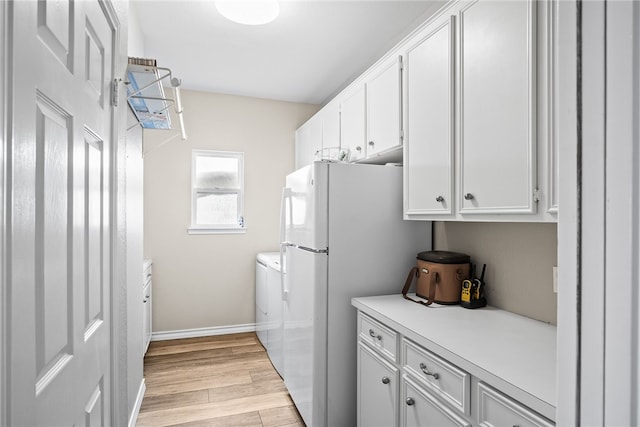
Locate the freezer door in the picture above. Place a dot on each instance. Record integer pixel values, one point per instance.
(305, 332)
(304, 207)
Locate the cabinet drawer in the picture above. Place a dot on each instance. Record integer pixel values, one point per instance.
(420, 408)
(441, 377)
(496, 409)
(378, 336)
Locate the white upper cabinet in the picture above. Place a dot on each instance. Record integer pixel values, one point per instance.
(330, 129)
(308, 141)
(474, 130)
(353, 122)
(429, 121)
(468, 103)
(497, 107)
(384, 88)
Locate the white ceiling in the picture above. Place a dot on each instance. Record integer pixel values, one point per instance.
(309, 53)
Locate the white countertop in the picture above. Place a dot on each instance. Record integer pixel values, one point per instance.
(515, 352)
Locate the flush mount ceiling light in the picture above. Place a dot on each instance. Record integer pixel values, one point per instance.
(249, 12)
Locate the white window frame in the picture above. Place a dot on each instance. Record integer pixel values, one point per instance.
(217, 228)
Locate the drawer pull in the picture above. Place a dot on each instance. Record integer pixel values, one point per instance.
(373, 335)
(410, 401)
(385, 380)
(435, 375)
(440, 199)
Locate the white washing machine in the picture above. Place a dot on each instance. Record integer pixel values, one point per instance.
(269, 307)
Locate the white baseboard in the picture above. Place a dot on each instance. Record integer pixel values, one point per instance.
(137, 405)
(202, 332)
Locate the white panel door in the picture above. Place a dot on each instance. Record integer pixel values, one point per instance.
(58, 232)
(429, 122)
(497, 107)
(383, 107)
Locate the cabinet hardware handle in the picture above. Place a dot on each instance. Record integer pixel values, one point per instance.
(435, 375)
(371, 143)
(440, 199)
(410, 401)
(144, 301)
(385, 380)
(373, 335)
(358, 148)
(468, 196)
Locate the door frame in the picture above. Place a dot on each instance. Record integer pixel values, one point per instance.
(599, 221)
(118, 309)
(3, 147)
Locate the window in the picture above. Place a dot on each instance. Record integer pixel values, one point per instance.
(217, 192)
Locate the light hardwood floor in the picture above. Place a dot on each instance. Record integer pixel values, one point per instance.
(224, 380)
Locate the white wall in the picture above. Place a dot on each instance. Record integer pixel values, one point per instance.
(205, 281)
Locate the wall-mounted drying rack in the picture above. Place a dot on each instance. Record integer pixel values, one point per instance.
(146, 97)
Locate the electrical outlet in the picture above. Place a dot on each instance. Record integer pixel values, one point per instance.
(555, 279)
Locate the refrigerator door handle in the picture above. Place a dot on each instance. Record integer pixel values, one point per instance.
(312, 250)
(286, 194)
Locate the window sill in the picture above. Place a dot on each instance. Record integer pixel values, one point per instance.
(214, 230)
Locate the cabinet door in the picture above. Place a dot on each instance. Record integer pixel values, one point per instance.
(353, 123)
(420, 408)
(146, 313)
(497, 107)
(331, 129)
(377, 390)
(383, 107)
(308, 141)
(429, 122)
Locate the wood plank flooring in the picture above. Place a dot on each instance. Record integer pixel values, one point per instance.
(224, 380)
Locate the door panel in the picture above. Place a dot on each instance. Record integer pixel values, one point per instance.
(429, 123)
(497, 107)
(383, 108)
(58, 235)
(55, 29)
(305, 326)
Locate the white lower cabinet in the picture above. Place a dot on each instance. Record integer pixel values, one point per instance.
(146, 304)
(421, 408)
(407, 382)
(496, 409)
(378, 387)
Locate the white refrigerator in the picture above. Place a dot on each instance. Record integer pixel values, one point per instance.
(342, 236)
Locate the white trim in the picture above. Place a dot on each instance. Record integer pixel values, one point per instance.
(138, 404)
(206, 230)
(4, 63)
(202, 332)
(621, 222)
(567, 354)
(593, 215)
